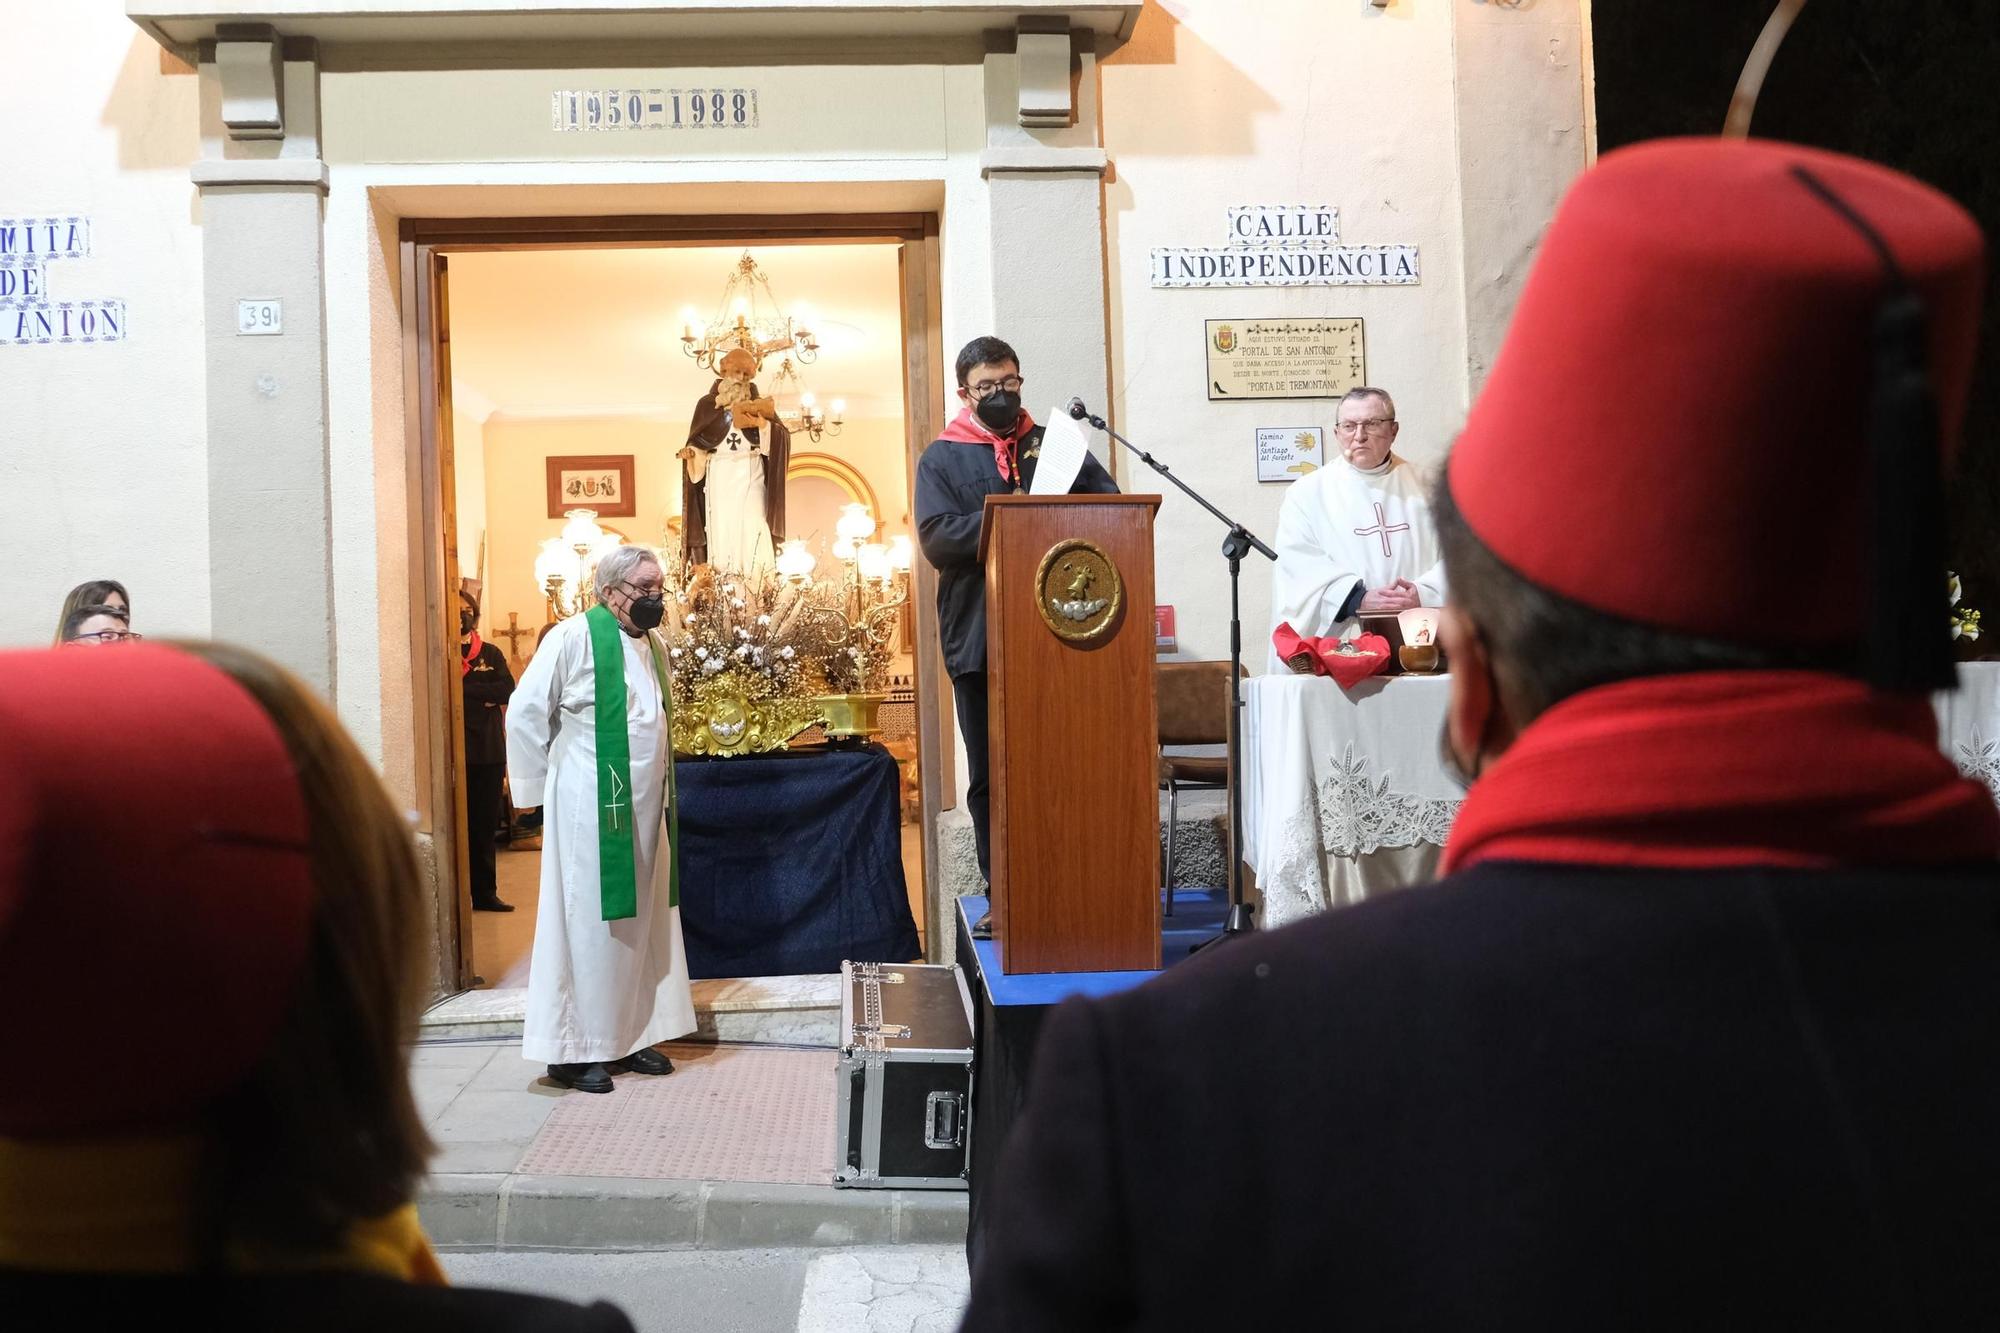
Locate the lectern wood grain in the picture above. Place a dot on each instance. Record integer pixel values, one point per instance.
(1075, 802)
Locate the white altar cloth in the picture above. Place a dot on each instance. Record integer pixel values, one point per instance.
(1345, 796)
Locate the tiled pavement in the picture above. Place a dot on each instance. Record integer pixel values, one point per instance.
(487, 1107)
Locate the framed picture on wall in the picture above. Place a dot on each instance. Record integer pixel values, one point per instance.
(601, 482)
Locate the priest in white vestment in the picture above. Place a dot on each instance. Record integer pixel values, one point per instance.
(588, 739)
(1355, 536)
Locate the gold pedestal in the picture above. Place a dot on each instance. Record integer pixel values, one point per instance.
(849, 716)
(1418, 658)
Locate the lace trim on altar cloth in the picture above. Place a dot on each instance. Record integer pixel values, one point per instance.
(1979, 760)
(1349, 814)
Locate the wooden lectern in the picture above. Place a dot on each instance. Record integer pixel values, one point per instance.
(1072, 733)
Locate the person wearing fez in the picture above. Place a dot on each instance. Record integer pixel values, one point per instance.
(590, 732)
(487, 682)
(1701, 1028)
(990, 448)
(258, 910)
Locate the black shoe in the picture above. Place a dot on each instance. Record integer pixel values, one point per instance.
(584, 1078)
(982, 929)
(493, 905)
(645, 1060)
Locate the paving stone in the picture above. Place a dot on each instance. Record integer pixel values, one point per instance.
(471, 1056)
(478, 1156)
(486, 1117)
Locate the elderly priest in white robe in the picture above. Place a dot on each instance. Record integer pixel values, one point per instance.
(589, 736)
(1355, 537)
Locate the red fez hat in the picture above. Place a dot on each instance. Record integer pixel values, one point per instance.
(155, 893)
(1685, 426)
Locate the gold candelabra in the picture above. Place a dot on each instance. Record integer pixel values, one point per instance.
(860, 628)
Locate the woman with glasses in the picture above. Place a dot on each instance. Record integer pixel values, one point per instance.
(94, 626)
(97, 592)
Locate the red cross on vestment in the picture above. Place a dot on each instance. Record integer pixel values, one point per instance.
(1382, 528)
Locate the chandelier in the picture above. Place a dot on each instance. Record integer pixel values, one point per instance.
(750, 318)
(808, 418)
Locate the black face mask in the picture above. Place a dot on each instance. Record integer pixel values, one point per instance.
(999, 410)
(466, 620)
(647, 612)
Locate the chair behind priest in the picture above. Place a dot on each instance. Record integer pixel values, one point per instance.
(1193, 710)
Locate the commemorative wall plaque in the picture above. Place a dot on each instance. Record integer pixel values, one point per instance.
(1283, 358)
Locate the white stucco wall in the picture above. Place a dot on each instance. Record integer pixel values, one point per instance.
(1341, 105)
(102, 448)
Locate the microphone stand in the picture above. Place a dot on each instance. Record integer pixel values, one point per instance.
(1239, 543)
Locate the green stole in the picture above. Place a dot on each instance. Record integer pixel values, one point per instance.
(617, 875)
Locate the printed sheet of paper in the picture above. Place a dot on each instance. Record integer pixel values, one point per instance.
(1063, 450)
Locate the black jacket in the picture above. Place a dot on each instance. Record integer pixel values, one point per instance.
(1530, 1097)
(953, 481)
(295, 1302)
(487, 686)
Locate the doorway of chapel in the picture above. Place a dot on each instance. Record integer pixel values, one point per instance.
(571, 377)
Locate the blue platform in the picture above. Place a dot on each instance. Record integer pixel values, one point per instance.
(1198, 916)
(1008, 1013)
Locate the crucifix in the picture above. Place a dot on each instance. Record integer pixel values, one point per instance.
(1382, 528)
(513, 634)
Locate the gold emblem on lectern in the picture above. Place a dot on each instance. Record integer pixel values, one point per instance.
(1078, 590)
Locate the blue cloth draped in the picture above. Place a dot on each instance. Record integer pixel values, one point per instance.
(791, 862)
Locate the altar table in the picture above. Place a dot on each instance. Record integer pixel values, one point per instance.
(1345, 795)
(791, 862)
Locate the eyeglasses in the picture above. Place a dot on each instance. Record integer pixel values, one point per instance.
(637, 590)
(1373, 425)
(980, 390)
(106, 636)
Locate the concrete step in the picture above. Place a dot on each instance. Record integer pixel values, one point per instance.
(516, 1212)
(786, 1011)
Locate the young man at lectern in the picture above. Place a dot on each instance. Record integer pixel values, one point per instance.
(990, 448)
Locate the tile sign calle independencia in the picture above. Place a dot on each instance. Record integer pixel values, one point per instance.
(28, 314)
(1288, 245)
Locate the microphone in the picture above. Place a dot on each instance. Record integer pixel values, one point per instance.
(1077, 410)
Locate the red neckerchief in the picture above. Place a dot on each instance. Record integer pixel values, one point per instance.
(1789, 769)
(967, 428)
(471, 654)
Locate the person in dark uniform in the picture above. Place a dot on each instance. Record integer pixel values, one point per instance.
(1701, 1029)
(990, 448)
(488, 683)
